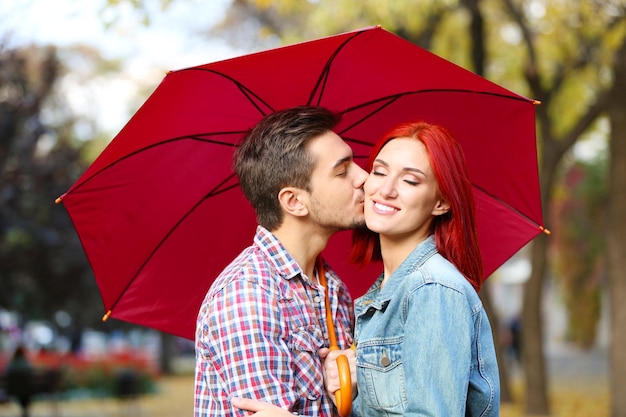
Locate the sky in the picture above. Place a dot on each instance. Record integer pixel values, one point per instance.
(165, 41)
(171, 41)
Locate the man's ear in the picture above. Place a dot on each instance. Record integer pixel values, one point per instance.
(293, 201)
(441, 207)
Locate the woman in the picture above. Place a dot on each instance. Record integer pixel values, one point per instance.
(424, 343)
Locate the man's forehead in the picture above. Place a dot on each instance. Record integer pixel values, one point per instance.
(330, 150)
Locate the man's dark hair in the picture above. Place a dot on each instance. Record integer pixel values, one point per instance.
(274, 155)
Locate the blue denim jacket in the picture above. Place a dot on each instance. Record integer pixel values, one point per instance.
(424, 344)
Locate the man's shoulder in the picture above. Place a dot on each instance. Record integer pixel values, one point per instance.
(251, 267)
(248, 264)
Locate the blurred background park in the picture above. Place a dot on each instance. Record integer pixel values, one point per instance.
(73, 72)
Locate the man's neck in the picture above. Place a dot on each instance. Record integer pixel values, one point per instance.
(303, 244)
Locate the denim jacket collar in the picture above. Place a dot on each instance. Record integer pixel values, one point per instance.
(378, 297)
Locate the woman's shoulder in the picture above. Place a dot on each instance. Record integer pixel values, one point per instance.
(440, 272)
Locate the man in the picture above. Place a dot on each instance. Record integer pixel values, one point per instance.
(262, 322)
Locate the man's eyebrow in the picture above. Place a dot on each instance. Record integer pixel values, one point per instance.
(343, 161)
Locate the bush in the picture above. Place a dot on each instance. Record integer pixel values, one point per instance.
(111, 376)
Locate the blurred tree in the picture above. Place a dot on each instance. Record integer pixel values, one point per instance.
(578, 217)
(254, 24)
(43, 268)
(616, 234)
(568, 55)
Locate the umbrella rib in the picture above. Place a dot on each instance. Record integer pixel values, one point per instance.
(387, 100)
(435, 90)
(247, 92)
(323, 78)
(198, 137)
(169, 233)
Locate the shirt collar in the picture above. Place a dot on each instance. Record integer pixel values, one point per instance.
(276, 253)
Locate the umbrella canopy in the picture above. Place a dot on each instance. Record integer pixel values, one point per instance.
(159, 212)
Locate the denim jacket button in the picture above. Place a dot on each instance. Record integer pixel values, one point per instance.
(384, 360)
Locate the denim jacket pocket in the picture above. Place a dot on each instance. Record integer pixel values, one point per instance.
(383, 385)
(304, 343)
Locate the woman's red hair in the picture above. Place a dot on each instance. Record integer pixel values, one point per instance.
(455, 231)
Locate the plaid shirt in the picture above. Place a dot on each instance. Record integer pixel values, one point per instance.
(259, 330)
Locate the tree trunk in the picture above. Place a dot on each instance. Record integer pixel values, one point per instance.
(616, 235)
(533, 361)
(505, 386)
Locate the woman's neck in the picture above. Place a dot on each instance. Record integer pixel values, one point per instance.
(395, 249)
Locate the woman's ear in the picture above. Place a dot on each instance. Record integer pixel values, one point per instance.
(293, 201)
(441, 207)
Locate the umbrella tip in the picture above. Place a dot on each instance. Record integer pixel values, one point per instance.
(60, 198)
(544, 230)
(536, 102)
(106, 316)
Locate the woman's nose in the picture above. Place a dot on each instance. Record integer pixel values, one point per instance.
(388, 188)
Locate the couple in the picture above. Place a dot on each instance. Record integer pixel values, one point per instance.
(423, 341)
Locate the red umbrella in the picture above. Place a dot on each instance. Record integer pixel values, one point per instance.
(159, 212)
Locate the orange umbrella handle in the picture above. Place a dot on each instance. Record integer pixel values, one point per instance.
(343, 396)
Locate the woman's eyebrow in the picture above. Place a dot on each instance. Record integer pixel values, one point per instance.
(408, 169)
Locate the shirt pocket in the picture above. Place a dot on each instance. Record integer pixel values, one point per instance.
(305, 343)
(382, 384)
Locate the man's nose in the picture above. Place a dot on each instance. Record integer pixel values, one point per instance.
(360, 177)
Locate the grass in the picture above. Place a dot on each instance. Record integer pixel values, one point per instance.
(174, 398)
